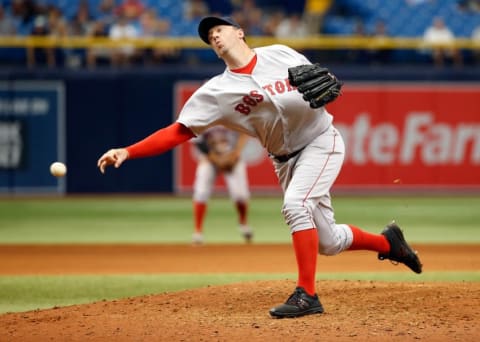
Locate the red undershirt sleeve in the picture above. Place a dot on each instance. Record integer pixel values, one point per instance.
(161, 141)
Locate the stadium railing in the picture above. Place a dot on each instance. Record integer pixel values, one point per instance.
(317, 42)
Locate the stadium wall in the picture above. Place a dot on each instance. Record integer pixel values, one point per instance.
(89, 111)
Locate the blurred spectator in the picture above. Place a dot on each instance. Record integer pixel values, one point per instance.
(57, 24)
(469, 5)
(7, 24)
(23, 13)
(40, 54)
(250, 17)
(246, 7)
(80, 25)
(49, 22)
(440, 39)
(151, 26)
(313, 14)
(272, 21)
(98, 54)
(358, 55)
(255, 26)
(106, 12)
(120, 30)
(130, 9)
(82, 20)
(58, 27)
(195, 9)
(379, 54)
(291, 27)
(476, 40)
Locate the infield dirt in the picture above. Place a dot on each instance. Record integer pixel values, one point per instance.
(354, 310)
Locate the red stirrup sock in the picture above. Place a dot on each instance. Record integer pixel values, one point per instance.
(363, 240)
(242, 208)
(199, 209)
(305, 243)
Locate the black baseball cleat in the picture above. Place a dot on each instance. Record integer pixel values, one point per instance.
(400, 251)
(298, 304)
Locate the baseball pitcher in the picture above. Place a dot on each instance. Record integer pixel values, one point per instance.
(275, 94)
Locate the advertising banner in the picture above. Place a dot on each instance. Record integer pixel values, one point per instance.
(397, 135)
(32, 136)
(414, 135)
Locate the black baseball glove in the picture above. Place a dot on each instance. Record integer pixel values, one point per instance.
(316, 83)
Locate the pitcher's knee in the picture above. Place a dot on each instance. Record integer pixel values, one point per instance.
(296, 215)
(335, 240)
(332, 248)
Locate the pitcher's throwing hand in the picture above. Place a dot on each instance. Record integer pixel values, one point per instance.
(115, 157)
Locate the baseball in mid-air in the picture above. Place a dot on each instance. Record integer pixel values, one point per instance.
(58, 169)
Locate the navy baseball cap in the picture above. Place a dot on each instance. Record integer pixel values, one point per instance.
(208, 22)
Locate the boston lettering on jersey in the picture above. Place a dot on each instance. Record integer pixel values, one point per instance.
(254, 97)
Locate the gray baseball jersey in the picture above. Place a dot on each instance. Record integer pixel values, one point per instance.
(263, 105)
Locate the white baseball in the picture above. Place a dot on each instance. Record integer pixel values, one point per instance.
(58, 169)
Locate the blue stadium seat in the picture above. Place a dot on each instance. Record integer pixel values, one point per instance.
(401, 18)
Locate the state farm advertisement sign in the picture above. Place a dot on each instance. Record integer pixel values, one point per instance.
(397, 135)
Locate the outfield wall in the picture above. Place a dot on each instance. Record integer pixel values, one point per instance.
(408, 128)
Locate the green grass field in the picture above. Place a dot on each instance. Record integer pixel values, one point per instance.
(156, 219)
(169, 219)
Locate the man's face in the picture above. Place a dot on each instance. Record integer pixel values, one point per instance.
(223, 37)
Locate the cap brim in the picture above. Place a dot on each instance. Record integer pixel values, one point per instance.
(208, 22)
